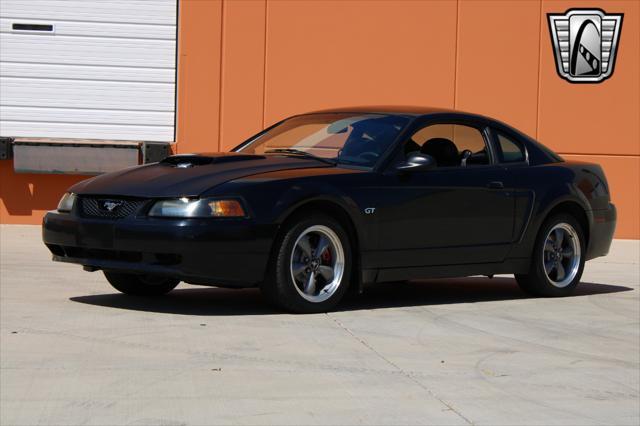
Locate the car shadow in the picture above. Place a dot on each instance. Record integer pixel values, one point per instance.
(205, 301)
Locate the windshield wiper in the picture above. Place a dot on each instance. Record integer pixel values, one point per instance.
(299, 152)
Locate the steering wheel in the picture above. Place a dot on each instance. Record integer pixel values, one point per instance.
(465, 156)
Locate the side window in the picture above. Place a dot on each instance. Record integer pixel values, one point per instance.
(510, 150)
(451, 145)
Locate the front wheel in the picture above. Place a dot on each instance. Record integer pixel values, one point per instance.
(558, 258)
(311, 266)
(141, 285)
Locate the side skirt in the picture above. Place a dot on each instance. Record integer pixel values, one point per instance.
(509, 266)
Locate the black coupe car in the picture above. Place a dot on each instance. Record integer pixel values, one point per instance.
(325, 201)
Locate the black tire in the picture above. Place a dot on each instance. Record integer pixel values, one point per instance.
(280, 288)
(141, 285)
(537, 282)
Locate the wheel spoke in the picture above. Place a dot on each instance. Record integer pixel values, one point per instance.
(305, 245)
(559, 234)
(326, 272)
(568, 252)
(310, 283)
(560, 273)
(298, 269)
(549, 266)
(548, 245)
(323, 244)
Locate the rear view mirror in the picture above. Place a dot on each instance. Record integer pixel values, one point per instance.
(417, 162)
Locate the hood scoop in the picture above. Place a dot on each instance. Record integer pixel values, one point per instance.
(186, 161)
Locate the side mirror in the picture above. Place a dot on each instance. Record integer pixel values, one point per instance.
(417, 162)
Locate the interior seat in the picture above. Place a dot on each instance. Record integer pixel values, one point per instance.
(443, 151)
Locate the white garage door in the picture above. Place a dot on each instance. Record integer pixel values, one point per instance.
(94, 69)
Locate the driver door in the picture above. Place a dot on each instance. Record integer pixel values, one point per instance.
(451, 214)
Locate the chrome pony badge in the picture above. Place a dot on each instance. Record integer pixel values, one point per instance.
(585, 43)
(110, 205)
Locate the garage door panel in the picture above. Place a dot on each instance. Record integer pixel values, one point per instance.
(83, 94)
(87, 51)
(106, 71)
(81, 72)
(79, 130)
(86, 116)
(96, 29)
(158, 12)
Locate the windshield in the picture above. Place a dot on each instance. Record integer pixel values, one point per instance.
(345, 138)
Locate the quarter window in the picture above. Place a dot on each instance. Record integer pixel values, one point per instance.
(510, 151)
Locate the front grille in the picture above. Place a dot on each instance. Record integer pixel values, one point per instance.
(109, 208)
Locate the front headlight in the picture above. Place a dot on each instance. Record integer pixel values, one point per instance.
(194, 207)
(66, 202)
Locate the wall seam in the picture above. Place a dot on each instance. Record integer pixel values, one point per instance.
(221, 75)
(264, 65)
(455, 67)
(539, 70)
(175, 78)
(181, 89)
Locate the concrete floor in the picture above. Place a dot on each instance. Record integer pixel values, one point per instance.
(463, 351)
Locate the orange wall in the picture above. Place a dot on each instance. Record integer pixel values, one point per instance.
(246, 64)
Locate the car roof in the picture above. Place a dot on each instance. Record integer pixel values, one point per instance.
(394, 109)
(414, 112)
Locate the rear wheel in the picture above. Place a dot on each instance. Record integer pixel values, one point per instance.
(558, 258)
(312, 266)
(141, 285)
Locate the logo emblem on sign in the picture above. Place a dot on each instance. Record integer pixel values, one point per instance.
(110, 205)
(585, 42)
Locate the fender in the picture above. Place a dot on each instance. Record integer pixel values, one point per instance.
(541, 211)
(296, 198)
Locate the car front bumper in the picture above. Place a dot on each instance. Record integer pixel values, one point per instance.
(224, 252)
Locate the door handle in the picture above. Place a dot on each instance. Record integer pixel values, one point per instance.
(495, 185)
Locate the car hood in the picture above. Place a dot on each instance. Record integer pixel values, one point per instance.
(188, 175)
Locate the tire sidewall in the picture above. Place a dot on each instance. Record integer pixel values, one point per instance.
(286, 294)
(136, 285)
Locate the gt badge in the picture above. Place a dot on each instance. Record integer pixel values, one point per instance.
(585, 42)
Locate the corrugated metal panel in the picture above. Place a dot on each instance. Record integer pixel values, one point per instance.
(107, 70)
(157, 12)
(87, 94)
(98, 29)
(97, 131)
(88, 116)
(51, 49)
(80, 72)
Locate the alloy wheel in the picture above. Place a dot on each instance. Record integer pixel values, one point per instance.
(561, 255)
(317, 263)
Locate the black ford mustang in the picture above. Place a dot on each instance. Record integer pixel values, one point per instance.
(325, 201)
